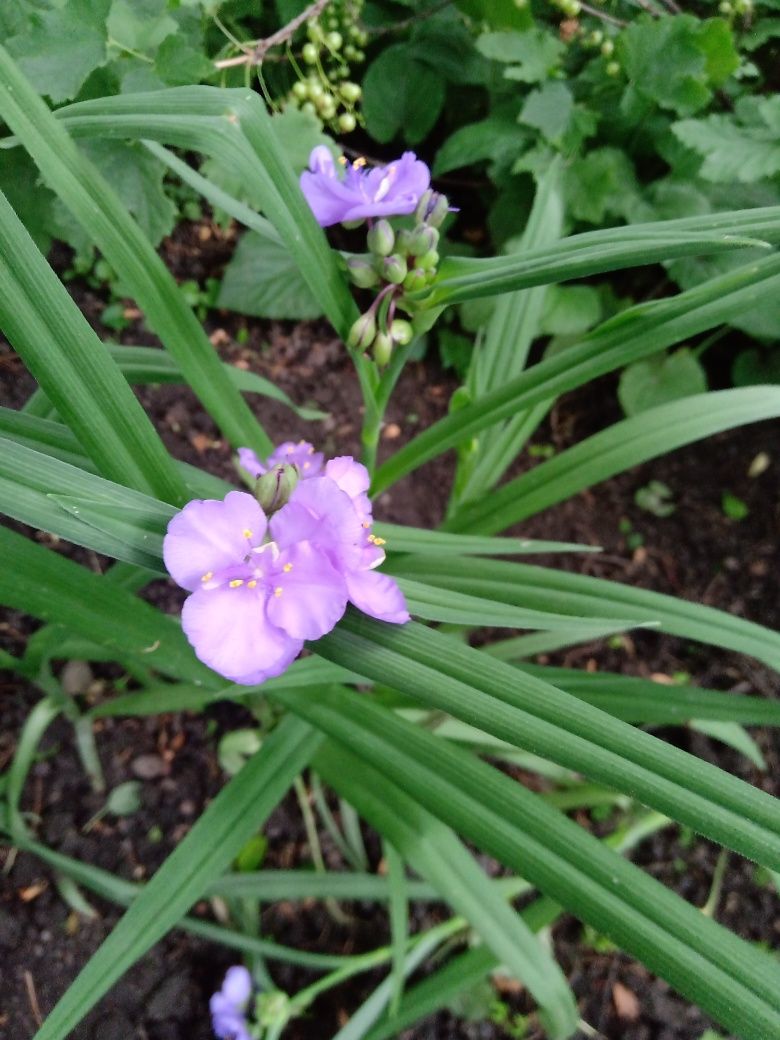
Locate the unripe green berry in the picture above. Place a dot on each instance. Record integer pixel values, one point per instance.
(334, 41)
(613, 68)
(328, 108)
(350, 52)
(521, 4)
(308, 108)
(725, 7)
(360, 56)
(347, 122)
(596, 38)
(608, 48)
(309, 53)
(351, 92)
(300, 90)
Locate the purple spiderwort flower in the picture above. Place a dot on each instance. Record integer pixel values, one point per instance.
(301, 454)
(228, 1006)
(362, 191)
(254, 601)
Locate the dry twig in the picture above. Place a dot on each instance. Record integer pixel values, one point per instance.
(256, 54)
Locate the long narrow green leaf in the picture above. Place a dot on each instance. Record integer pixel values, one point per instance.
(237, 813)
(435, 852)
(66, 357)
(401, 539)
(626, 444)
(643, 700)
(96, 206)
(636, 333)
(233, 125)
(527, 713)
(582, 597)
(735, 982)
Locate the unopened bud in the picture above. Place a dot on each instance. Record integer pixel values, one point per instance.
(424, 239)
(381, 238)
(274, 488)
(439, 211)
(416, 279)
(423, 206)
(429, 261)
(403, 241)
(393, 269)
(382, 349)
(362, 333)
(361, 272)
(401, 332)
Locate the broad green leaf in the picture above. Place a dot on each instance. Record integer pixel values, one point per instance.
(531, 54)
(570, 310)
(263, 280)
(58, 346)
(497, 138)
(658, 380)
(297, 133)
(601, 185)
(548, 109)
(237, 813)
(59, 47)
(401, 95)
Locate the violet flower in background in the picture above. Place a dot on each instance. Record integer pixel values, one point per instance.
(228, 1006)
(343, 192)
(254, 601)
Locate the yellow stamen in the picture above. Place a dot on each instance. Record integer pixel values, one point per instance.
(252, 584)
(278, 591)
(366, 524)
(380, 541)
(343, 160)
(247, 533)
(287, 568)
(359, 162)
(207, 576)
(236, 583)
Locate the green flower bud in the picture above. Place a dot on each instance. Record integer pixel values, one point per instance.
(274, 488)
(382, 349)
(380, 238)
(441, 208)
(426, 200)
(424, 239)
(347, 122)
(334, 41)
(310, 53)
(607, 48)
(401, 331)
(393, 269)
(362, 333)
(403, 241)
(361, 272)
(351, 92)
(428, 261)
(415, 279)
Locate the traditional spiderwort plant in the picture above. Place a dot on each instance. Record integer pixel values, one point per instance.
(388, 715)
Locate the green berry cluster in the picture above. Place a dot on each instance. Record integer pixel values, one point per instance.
(335, 43)
(397, 263)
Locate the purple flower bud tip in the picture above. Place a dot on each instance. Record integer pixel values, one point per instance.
(259, 589)
(353, 191)
(228, 1005)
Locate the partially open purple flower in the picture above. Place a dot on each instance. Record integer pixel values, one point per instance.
(228, 1006)
(253, 602)
(355, 191)
(300, 454)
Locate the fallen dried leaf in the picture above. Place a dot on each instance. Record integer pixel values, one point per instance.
(626, 1002)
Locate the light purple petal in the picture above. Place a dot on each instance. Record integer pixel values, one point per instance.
(293, 523)
(378, 595)
(209, 535)
(321, 161)
(339, 532)
(300, 454)
(250, 462)
(351, 476)
(237, 986)
(310, 596)
(329, 198)
(230, 633)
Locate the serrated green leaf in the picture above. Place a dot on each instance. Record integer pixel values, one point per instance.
(140, 25)
(601, 184)
(177, 64)
(731, 152)
(532, 54)
(549, 110)
(263, 280)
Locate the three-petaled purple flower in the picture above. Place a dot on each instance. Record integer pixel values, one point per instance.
(228, 1006)
(353, 191)
(255, 600)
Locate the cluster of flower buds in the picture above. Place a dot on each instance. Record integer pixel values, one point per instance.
(239, 1012)
(397, 263)
(334, 44)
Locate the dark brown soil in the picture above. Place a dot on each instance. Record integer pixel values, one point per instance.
(696, 553)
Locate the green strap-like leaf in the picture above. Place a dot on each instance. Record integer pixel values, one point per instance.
(618, 448)
(236, 814)
(96, 206)
(60, 349)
